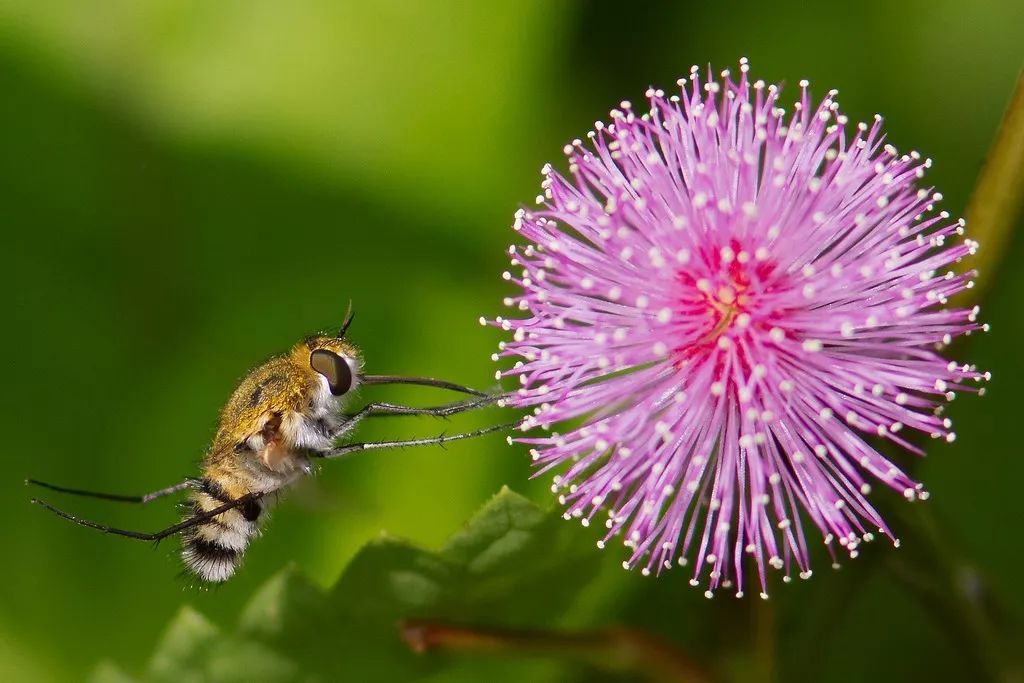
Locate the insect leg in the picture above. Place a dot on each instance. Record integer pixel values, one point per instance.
(395, 410)
(156, 535)
(431, 441)
(391, 409)
(422, 381)
(145, 498)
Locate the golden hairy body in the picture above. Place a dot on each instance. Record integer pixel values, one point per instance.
(279, 412)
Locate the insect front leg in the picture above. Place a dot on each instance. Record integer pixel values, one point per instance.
(430, 441)
(381, 409)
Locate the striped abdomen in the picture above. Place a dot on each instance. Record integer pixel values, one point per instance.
(213, 550)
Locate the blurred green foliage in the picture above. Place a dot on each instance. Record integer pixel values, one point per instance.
(511, 559)
(192, 186)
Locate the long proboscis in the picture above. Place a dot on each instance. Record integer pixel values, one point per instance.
(421, 381)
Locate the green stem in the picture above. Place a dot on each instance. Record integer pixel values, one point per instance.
(955, 592)
(949, 586)
(764, 629)
(617, 649)
(996, 202)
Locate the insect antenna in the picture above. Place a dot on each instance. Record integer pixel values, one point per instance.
(120, 498)
(156, 535)
(349, 317)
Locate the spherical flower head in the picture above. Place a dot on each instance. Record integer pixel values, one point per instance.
(725, 308)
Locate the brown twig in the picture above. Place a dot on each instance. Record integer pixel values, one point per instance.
(615, 649)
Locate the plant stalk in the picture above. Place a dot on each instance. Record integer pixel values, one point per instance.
(615, 649)
(995, 205)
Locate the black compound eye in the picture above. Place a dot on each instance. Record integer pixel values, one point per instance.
(334, 368)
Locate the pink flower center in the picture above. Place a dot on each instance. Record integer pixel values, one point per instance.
(725, 295)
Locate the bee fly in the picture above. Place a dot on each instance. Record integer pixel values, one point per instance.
(282, 415)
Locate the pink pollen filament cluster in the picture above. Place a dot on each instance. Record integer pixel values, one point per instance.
(721, 309)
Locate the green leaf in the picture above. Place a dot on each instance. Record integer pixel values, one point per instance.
(193, 650)
(288, 605)
(184, 647)
(512, 564)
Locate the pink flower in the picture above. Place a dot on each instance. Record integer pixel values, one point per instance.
(726, 309)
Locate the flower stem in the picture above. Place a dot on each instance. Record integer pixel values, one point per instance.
(996, 202)
(764, 628)
(948, 585)
(615, 649)
(955, 592)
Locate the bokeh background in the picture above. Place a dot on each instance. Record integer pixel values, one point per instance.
(188, 187)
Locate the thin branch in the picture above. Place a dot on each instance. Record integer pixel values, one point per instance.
(616, 649)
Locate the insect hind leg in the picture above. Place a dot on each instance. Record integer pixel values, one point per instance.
(188, 523)
(144, 498)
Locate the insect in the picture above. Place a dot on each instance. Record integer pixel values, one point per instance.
(283, 415)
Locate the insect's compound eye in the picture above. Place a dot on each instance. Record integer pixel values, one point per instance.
(334, 368)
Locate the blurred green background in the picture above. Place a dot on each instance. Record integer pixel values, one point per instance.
(189, 187)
